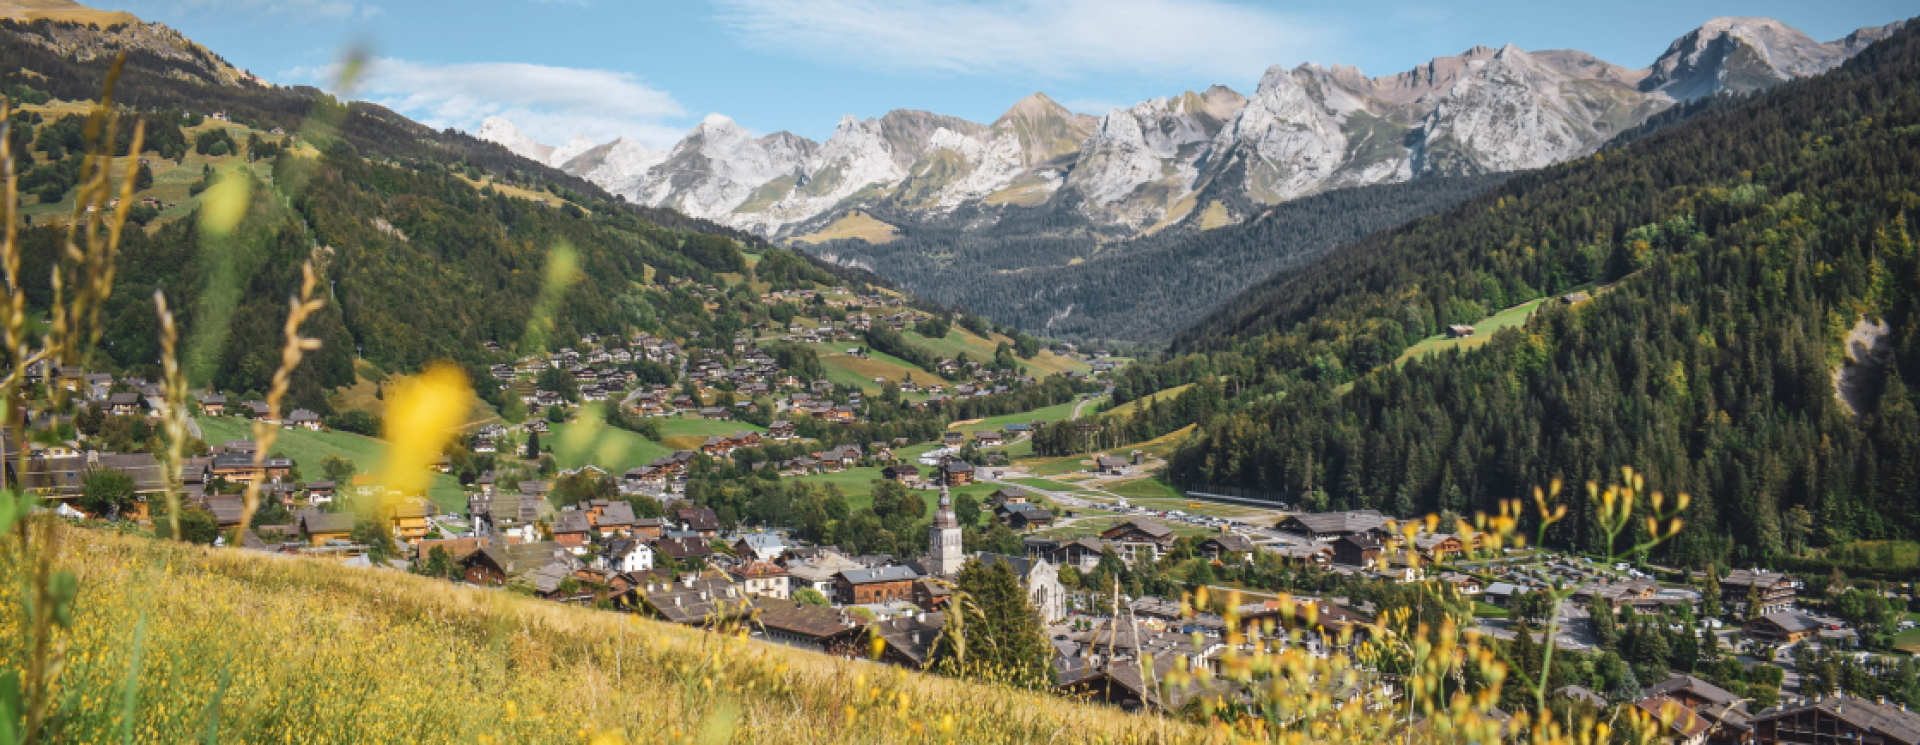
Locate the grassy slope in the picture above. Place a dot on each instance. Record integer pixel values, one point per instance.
(615, 450)
(310, 652)
(853, 225)
(846, 369)
(998, 423)
(1482, 332)
(1169, 394)
(981, 350)
(307, 449)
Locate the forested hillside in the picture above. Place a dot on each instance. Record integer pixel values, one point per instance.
(1047, 270)
(1728, 259)
(187, 79)
(429, 245)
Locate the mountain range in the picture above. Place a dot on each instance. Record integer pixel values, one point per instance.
(1204, 158)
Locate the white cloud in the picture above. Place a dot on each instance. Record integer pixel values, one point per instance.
(550, 104)
(1049, 38)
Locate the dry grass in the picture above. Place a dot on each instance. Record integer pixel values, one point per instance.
(1215, 216)
(65, 11)
(298, 650)
(858, 225)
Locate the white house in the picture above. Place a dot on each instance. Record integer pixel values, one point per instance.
(626, 555)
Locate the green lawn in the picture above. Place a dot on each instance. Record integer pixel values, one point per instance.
(1482, 332)
(1483, 610)
(611, 448)
(679, 426)
(308, 448)
(1908, 641)
(845, 369)
(1042, 484)
(857, 485)
(1146, 489)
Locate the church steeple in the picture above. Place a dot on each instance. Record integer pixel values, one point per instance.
(944, 518)
(944, 553)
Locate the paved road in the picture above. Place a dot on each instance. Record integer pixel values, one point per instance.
(193, 428)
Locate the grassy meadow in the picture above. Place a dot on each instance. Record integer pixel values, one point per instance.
(1482, 333)
(308, 449)
(175, 643)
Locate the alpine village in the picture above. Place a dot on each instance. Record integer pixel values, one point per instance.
(1520, 397)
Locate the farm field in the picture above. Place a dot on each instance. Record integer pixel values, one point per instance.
(308, 449)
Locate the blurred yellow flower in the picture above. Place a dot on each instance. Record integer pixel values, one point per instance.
(423, 413)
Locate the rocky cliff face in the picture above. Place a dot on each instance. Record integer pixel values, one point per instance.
(1211, 157)
(84, 33)
(1741, 55)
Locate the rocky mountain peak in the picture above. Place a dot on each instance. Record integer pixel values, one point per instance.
(1738, 54)
(1046, 131)
(501, 132)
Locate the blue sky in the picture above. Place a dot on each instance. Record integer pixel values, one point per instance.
(650, 69)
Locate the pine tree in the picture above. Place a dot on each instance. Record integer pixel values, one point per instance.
(1710, 595)
(1605, 628)
(999, 638)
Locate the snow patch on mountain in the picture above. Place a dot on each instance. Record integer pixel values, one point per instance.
(502, 132)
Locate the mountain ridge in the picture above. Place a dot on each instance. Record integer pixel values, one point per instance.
(1311, 129)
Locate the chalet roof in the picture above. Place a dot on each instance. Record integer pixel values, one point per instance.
(1232, 542)
(571, 521)
(1150, 527)
(1793, 621)
(1581, 693)
(683, 548)
(315, 521)
(702, 518)
(762, 543)
(616, 515)
(1021, 565)
(1750, 577)
(879, 574)
(1685, 723)
(912, 636)
(1891, 721)
(706, 597)
(1356, 521)
(1693, 686)
(801, 619)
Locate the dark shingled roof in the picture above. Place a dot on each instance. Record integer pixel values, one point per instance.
(1889, 721)
(880, 574)
(794, 617)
